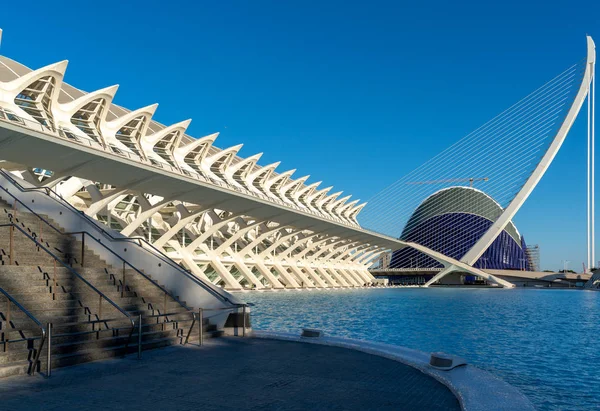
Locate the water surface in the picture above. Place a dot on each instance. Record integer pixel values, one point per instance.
(545, 342)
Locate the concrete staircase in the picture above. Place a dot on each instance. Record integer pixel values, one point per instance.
(85, 326)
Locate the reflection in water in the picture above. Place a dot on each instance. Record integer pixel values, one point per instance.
(543, 341)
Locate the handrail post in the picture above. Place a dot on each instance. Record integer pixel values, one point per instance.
(3, 335)
(140, 337)
(8, 324)
(54, 282)
(200, 326)
(49, 347)
(11, 248)
(82, 248)
(123, 282)
(244, 320)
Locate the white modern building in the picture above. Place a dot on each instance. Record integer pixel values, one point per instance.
(227, 219)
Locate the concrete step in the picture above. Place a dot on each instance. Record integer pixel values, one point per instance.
(95, 354)
(14, 368)
(82, 344)
(19, 333)
(85, 294)
(49, 305)
(14, 353)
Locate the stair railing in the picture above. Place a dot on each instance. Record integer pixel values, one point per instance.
(84, 235)
(138, 241)
(199, 318)
(101, 296)
(42, 338)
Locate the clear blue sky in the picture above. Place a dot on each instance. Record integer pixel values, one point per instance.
(353, 93)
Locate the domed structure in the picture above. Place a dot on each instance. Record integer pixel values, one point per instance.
(451, 221)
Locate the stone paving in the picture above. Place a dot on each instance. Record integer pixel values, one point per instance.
(233, 374)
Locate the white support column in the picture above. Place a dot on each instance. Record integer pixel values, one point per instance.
(326, 280)
(216, 227)
(143, 217)
(365, 274)
(100, 204)
(251, 247)
(305, 282)
(589, 186)
(290, 281)
(341, 272)
(315, 278)
(239, 260)
(69, 188)
(346, 273)
(308, 281)
(338, 281)
(440, 275)
(258, 260)
(328, 264)
(189, 262)
(593, 171)
(218, 265)
(181, 224)
(266, 273)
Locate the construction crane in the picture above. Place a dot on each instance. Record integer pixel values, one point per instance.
(452, 180)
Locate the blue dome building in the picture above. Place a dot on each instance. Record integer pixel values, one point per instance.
(451, 221)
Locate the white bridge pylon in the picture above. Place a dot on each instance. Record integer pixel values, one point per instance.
(585, 91)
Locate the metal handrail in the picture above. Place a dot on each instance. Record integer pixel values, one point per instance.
(20, 307)
(83, 233)
(200, 314)
(157, 253)
(102, 296)
(76, 274)
(35, 320)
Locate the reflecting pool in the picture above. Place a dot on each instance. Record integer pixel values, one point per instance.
(545, 342)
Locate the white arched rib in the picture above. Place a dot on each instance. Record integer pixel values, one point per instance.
(67, 111)
(353, 212)
(129, 142)
(302, 195)
(9, 91)
(107, 94)
(276, 181)
(243, 168)
(332, 207)
(149, 142)
(12, 88)
(190, 156)
(289, 190)
(216, 164)
(260, 176)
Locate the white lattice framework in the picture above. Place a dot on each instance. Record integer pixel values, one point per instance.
(234, 250)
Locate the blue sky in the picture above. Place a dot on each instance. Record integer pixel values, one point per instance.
(356, 94)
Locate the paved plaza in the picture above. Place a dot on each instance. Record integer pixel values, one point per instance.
(233, 374)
